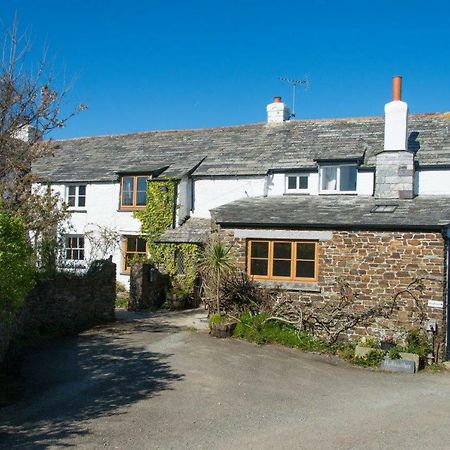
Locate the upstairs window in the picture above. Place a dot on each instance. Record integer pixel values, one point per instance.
(283, 260)
(74, 248)
(76, 196)
(297, 183)
(338, 178)
(133, 191)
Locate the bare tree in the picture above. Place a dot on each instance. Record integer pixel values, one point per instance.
(30, 108)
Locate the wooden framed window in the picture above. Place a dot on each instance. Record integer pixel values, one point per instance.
(76, 196)
(133, 191)
(282, 260)
(133, 247)
(74, 248)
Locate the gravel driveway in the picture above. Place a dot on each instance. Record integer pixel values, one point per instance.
(148, 382)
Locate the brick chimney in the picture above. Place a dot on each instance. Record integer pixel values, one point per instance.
(277, 111)
(395, 164)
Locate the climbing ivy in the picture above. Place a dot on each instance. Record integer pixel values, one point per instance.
(157, 216)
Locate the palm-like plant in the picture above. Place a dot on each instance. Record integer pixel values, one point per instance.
(216, 262)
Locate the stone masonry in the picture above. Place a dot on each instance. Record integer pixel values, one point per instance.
(394, 175)
(376, 265)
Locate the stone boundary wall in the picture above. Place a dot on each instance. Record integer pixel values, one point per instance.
(63, 304)
(376, 265)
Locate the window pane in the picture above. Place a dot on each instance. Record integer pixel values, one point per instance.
(81, 201)
(142, 183)
(131, 244)
(141, 245)
(258, 267)
(82, 190)
(127, 183)
(71, 201)
(72, 190)
(81, 254)
(306, 250)
(329, 178)
(281, 268)
(141, 198)
(348, 178)
(260, 249)
(305, 269)
(81, 242)
(292, 182)
(303, 182)
(282, 250)
(68, 254)
(127, 198)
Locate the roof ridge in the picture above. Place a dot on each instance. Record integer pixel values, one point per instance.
(249, 125)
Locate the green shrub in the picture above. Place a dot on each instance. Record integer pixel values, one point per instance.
(217, 319)
(417, 342)
(394, 352)
(373, 359)
(17, 273)
(255, 328)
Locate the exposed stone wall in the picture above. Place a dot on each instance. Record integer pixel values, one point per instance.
(376, 265)
(63, 304)
(394, 175)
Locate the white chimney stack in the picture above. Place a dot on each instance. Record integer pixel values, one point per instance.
(396, 119)
(277, 112)
(394, 177)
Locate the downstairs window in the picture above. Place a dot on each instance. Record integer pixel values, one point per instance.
(133, 248)
(282, 260)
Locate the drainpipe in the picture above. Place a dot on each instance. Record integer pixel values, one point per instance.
(447, 291)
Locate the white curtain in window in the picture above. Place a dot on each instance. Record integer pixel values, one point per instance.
(329, 178)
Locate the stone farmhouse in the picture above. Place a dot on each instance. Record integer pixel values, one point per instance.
(305, 202)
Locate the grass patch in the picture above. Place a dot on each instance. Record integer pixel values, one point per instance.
(256, 329)
(218, 319)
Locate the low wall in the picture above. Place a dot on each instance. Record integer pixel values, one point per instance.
(63, 304)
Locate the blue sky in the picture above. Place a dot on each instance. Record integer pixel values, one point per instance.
(147, 65)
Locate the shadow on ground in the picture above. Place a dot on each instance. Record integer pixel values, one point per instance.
(78, 379)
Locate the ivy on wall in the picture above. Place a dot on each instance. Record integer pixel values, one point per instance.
(157, 216)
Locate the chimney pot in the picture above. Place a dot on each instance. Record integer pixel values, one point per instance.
(396, 88)
(277, 99)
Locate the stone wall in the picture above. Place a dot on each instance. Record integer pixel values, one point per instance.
(376, 265)
(63, 303)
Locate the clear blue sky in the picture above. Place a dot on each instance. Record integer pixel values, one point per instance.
(146, 65)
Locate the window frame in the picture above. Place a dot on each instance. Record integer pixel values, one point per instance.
(338, 179)
(125, 252)
(293, 261)
(135, 191)
(67, 239)
(296, 190)
(76, 196)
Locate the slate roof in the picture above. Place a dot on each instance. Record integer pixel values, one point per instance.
(240, 150)
(334, 211)
(193, 231)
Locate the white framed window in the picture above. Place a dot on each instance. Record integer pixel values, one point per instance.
(338, 179)
(74, 248)
(76, 195)
(297, 183)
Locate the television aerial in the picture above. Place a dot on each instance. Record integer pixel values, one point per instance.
(294, 84)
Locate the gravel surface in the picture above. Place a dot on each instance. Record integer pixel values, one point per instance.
(152, 382)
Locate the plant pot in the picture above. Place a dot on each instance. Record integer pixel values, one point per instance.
(222, 330)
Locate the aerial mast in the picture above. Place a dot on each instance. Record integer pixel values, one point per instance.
(294, 84)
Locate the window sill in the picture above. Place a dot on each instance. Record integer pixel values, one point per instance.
(124, 273)
(337, 193)
(289, 285)
(76, 210)
(298, 193)
(132, 209)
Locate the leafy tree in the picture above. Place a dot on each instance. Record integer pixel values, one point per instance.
(16, 268)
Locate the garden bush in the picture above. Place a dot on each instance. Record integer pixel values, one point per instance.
(17, 273)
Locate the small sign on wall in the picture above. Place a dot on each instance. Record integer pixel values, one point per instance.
(436, 304)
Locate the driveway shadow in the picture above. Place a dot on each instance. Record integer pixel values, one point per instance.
(78, 379)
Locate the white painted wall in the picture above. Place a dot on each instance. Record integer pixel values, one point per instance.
(365, 183)
(102, 208)
(432, 182)
(212, 192)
